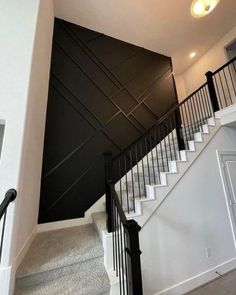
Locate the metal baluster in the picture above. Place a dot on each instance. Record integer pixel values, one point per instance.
(2, 236)
(147, 160)
(232, 81)
(126, 264)
(144, 181)
(217, 90)
(208, 102)
(223, 89)
(161, 149)
(122, 258)
(113, 235)
(137, 161)
(184, 135)
(120, 183)
(118, 245)
(200, 110)
(204, 105)
(115, 232)
(157, 157)
(190, 114)
(132, 179)
(126, 182)
(172, 130)
(197, 113)
(164, 135)
(153, 168)
(227, 85)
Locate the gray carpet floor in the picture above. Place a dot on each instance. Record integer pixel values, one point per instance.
(64, 262)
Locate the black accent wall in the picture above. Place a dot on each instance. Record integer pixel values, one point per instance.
(103, 94)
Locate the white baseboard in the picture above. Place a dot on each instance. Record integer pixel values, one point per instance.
(87, 219)
(5, 280)
(7, 274)
(20, 256)
(199, 280)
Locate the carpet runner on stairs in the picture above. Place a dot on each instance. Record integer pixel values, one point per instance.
(64, 262)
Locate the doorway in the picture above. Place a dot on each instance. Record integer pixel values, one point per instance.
(227, 164)
(231, 50)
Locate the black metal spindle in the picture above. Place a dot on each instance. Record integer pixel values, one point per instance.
(191, 119)
(227, 86)
(137, 165)
(126, 182)
(157, 157)
(161, 147)
(153, 165)
(132, 180)
(2, 235)
(232, 81)
(147, 159)
(143, 168)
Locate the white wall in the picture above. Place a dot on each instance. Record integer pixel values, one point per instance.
(180, 87)
(26, 38)
(2, 126)
(193, 217)
(215, 57)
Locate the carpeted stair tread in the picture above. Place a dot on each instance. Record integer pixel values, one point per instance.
(92, 280)
(55, 249)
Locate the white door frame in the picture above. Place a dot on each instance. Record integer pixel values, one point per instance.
(221, 163)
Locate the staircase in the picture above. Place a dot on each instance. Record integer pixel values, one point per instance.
(161, 172)
(70, 261)
(64, 262)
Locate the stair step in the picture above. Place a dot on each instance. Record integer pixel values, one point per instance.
(99, 221)
(91, 280)
(63, 262)
(54, 249)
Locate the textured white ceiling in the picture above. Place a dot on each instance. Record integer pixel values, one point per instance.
(164, 26)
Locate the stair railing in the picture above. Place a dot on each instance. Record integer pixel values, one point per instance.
(9, 197)
(143, 163)
(222, 85)
(125, 238)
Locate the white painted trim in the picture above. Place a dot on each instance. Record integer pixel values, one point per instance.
(62, 224)
(7, 274)
(200, 279)
(25, 248)
(5, 277)
(87, 219)
(220, 160)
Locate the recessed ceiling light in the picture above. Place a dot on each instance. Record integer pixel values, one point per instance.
(201, 8)
(192, 55)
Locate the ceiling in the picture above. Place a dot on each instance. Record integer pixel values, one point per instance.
(164, 26)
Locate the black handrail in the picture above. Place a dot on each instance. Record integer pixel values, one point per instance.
(9, 197)
(225, 65)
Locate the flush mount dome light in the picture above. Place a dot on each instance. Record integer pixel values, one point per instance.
(201, 8)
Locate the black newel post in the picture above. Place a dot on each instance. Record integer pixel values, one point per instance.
(133, 258)
(212, 92)
(108, 182)
(179, 130)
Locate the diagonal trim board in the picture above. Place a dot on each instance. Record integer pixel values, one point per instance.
(156, 194)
